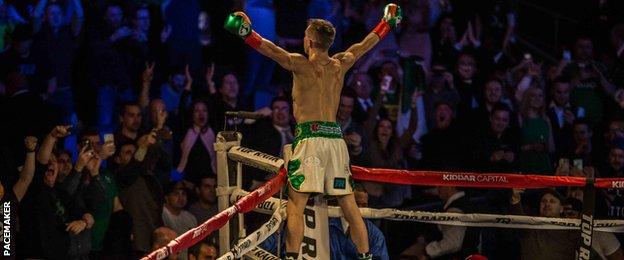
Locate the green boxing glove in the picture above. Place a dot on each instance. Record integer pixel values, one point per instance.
(238, 23)
(391, 19)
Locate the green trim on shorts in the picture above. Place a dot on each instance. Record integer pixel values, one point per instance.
(316, 129)
(295, 179)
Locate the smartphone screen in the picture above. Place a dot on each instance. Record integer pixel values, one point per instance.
(109, 138)
(567, 56)
(578, 164)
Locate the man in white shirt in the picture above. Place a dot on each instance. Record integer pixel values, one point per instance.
(174, 216)
(457, 241)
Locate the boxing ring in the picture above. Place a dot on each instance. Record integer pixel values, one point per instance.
(233, 202)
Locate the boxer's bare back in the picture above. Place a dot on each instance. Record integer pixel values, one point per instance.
(318, 80)
(316, 90)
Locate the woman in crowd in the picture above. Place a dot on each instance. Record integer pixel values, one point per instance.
(536, 131)
(198, 155)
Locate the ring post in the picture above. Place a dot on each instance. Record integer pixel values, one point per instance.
(225, 140)
(587, 220)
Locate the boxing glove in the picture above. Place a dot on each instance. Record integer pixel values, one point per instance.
(391, 19)
(238, 23)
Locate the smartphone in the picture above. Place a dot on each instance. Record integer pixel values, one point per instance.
(567, 56)
(527, 56)
(87, 143)
(578, 164)
(164, 134)
(385, 83)
(109, 138)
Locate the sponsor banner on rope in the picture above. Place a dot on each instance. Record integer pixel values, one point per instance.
(609, 183)
(256, 159)
(475, 178)
(258, 253)
(267, 207)
(458, 219)
(466, 179)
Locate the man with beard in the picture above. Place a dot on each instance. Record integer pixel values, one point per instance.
(206, 205)
(614, 168)
(130, 120)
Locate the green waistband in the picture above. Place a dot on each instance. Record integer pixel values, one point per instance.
(317, 129)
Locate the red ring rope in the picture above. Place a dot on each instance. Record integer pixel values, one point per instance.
(482, 180)
(244, 205)
(426, 178)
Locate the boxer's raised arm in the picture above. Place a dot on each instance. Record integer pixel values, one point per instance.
(392, 17)
(239, 24)
(279, 55)
(355, 52)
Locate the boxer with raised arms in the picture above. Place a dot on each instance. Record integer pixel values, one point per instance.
(320, 160)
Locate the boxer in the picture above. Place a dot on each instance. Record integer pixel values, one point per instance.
(320, 160)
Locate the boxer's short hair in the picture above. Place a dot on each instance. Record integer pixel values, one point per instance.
(324, 33)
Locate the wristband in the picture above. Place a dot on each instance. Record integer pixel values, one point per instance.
(254, 40)
(382, 29)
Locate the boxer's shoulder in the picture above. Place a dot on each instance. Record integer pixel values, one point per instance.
(298, 61)
(345, 58)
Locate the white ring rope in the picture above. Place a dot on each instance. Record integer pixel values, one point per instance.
(248, 246)
(253, 240)
(457, 219)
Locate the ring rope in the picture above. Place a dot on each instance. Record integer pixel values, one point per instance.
(457, 219)
(244, 205)
(425, 178)
(245, 245)
(480, 180)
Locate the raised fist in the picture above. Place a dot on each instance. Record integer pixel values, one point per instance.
(31, 143)
(238, 23)
(392, 15)
(60, 131)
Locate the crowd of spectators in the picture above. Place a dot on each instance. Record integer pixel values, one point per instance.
(109, 111)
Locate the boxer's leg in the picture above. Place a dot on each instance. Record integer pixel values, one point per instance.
(294, 220)
(357, 228)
